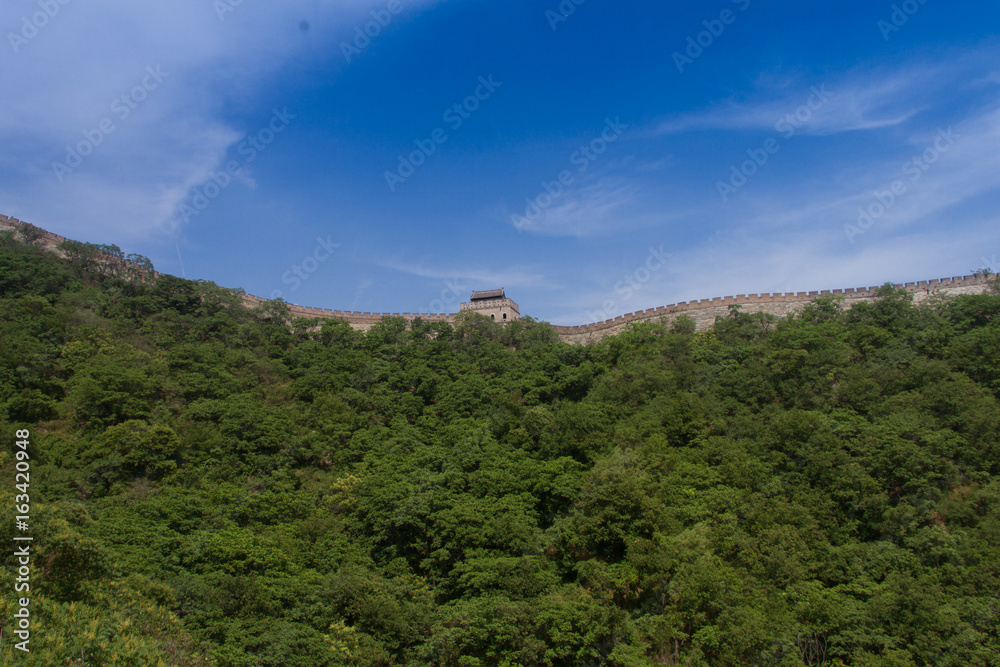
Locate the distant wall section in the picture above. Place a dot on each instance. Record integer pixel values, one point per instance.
(704, 311)
(361, 321)
(48, 240)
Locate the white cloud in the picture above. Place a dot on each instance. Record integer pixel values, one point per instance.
(962, 171)
(854, 101)
(512, 276)
(70, 72)
(583, 211)
(606, 204)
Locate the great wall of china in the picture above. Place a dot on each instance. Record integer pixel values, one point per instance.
(702, 311)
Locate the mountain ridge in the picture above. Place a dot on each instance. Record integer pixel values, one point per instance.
(702, 311)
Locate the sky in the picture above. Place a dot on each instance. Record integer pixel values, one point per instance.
(592, 158)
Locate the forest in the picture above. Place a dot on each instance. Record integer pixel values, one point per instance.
(215, 485)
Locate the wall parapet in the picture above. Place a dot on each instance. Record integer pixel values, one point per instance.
(779, 303)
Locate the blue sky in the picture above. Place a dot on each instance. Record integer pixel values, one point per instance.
(593, 158)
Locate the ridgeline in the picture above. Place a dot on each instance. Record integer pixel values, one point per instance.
(703, 312)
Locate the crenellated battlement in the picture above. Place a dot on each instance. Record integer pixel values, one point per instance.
(702, 311)
(781, 304)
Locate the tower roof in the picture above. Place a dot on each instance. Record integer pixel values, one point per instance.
(488, 294)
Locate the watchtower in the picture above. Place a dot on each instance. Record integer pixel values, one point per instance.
(494, 304)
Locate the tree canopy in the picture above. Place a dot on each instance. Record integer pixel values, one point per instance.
(217, 485)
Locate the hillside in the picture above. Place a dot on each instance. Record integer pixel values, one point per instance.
(210, 486)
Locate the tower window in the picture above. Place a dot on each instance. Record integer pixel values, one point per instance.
(505, 316)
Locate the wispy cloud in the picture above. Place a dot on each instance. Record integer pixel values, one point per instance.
(967, 170)
(858, 100)
(611, 202)
(585, 211)
(513, 276)
(72, 74)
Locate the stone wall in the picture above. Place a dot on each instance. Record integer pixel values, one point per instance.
(703, 311)
(48, 240)
(357, 319)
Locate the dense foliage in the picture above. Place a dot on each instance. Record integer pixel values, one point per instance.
(212, 486)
